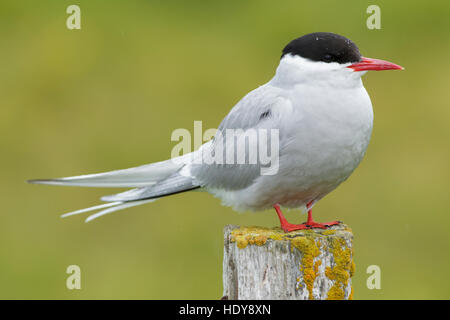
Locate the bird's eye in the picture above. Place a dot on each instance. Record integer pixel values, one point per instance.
(327, 57)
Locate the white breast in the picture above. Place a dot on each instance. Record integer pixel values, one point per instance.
(323, 137)
(329, 130)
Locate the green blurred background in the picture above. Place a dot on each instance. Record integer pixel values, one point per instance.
(108, 97)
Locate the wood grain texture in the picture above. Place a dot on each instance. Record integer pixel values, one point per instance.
(266, 263)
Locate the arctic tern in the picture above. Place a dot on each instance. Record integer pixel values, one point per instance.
(323, 114)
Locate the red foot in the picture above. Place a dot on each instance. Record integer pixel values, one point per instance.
(310, 224)
(288, 227)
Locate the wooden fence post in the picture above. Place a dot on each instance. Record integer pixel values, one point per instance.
(266, 263)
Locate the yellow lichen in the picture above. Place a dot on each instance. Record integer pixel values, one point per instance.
(336, 293)
(250, 235)
(308, 243)
(342, 270)
(309, 249)
(316, 265)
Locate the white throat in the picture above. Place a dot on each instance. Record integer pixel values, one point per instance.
(294, 70)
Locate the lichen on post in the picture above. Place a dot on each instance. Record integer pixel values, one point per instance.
(266, 263)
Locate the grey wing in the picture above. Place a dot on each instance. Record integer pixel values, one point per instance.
(174, 184)
(263, 108)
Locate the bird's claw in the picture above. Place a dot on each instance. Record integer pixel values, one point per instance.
(308, 226)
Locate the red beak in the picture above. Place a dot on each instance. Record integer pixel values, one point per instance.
(374, 64)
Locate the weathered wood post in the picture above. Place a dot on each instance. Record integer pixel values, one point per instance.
(264, 263)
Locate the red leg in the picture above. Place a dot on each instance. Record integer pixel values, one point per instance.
(309, 224)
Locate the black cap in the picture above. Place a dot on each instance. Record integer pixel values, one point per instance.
(324, 46)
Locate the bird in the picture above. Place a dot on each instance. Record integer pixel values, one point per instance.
(322, 119)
